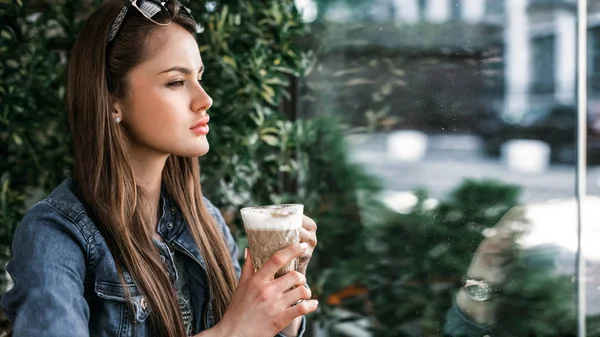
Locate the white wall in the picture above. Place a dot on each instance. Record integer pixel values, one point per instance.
(438, 10)
(407, 10)
(566, 63)
(473, 10)
(380, 10)
(517, 58)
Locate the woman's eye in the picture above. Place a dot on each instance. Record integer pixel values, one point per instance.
(175, 84)
(200, 81)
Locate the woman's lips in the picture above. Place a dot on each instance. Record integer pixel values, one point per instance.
(200, 128)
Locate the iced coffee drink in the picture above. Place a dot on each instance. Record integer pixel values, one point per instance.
(270, 229)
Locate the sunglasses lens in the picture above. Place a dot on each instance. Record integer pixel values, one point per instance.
(155, 11)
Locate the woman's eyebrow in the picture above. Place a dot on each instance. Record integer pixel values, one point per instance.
(183, 70)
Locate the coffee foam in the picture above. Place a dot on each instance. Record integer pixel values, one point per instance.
(273, 217)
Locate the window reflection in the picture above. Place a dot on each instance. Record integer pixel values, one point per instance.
(466, 112)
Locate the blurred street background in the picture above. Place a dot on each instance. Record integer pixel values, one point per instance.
(453, 158)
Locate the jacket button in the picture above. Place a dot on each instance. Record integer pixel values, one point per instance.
(170, 225)
(172, 209)
(143, 304)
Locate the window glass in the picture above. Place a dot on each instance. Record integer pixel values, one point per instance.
(460, 119)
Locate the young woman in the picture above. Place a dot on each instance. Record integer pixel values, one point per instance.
(129, 246)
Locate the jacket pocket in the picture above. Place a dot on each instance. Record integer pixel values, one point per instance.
(113, 291)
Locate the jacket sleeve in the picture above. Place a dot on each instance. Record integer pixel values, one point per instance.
(48, 269)
(458, 325)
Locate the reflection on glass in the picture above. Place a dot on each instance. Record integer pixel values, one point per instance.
(465, 111)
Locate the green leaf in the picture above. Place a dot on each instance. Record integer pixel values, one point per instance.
(267, 98)
(285, 70)
(270, 139)
(397, 72)
(6, 34)
(276, 80)
(12, 63)
(17, 139)
(259, 119)
(224, 13)
(357, 81)
(229, 60)
(270, 92)
(268, 130)
(252, 139)
(345, 72)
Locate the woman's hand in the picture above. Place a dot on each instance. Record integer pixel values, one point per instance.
(308, 234)
(496, 255)
(493, 262)
(262, 305)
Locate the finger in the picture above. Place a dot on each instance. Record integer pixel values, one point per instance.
(515, 220)
(290, 280)
(309, 224)
(297, 294)
(301, 309)
(308, 237)
(307, 255)
(281, 259)
(247, 268)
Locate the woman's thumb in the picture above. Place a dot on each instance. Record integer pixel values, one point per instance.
(247, 268)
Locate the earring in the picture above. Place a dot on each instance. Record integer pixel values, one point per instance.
(117, 120)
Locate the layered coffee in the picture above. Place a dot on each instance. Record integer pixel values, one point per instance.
(270, 229)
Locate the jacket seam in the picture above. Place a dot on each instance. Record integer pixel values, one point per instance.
(59, 210)
(90, 260)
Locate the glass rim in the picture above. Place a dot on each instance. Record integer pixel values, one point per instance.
(268, 207)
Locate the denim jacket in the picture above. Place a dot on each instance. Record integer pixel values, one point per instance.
(458, 325)
(66, 281)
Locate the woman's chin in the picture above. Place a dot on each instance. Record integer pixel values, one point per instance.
(196, 151)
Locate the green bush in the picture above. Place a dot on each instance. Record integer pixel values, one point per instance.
(33, 130)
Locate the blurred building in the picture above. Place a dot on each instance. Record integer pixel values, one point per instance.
(540, 51)
(447, 58)
(463, 57)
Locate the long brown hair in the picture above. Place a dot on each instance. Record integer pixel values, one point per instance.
(107, 185)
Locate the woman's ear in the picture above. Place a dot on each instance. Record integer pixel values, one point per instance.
(117, 113)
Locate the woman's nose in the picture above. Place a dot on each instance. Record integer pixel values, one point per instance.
(202, 101)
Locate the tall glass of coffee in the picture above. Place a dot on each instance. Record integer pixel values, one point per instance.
(270, 229)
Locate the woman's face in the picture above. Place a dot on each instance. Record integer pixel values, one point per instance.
(164, 108)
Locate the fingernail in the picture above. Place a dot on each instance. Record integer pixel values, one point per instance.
(245, 253)
(303, 245)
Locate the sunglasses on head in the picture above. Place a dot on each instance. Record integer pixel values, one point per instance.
(153, 10)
